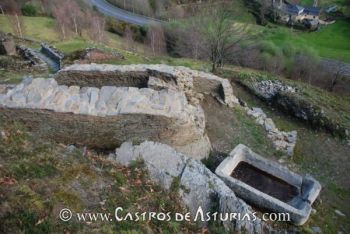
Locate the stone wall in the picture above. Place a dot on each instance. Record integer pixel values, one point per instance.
(106, 117)
(189, 81)
(29, 55)
(52, 53)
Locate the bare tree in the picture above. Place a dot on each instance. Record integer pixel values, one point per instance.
(304, 67)
(265, 8)
(2, 10)
(219, 33)
(97, 28)
(129, 39)
(155, 39)
(189, 41)
(14, 15)
(338, 75)
(63, 24)
(69, 17)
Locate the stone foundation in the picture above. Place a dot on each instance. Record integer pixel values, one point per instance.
(298, 207)
(106, 117)
(189, 81)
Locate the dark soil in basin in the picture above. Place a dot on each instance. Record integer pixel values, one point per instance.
(264, 182)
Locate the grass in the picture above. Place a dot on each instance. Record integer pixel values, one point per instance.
(316, 153)
(323, 2)
(335, 108)
(38, 28)
(330, 41)
(87, 183)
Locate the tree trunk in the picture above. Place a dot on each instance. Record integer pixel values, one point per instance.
(19, 28)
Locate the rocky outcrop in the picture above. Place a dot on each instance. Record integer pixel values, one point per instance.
(198, 187)
(270, 88)
(294, 102)
(107, 116)
(192, 83)
(283, 141)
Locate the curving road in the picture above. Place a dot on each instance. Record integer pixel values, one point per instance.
(110, 10)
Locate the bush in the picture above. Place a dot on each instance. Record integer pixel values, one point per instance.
(29, 10)
(269, 48)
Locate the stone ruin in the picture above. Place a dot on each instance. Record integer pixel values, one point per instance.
(152, 112)
(268, 89)
(102, 106)
(7, 46)
(53, 54)
(31, 58)
(282, 141)
(269, 185)
(199, 188)
(94, 55)
(193, 83)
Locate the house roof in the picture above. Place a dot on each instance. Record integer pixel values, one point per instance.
(294, 9)
(312, 10)
(297, 10)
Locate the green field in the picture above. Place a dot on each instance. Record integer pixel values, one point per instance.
(330, 41)
(323, 2)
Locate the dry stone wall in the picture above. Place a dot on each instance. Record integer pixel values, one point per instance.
(104, 117)
(192, 82)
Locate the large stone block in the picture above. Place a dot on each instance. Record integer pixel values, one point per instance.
(7, 47)
(199, 188)
(268, 185)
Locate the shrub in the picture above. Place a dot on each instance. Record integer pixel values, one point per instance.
(269, 48)
(29, 10)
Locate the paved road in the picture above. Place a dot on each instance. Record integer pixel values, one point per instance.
(120, 14)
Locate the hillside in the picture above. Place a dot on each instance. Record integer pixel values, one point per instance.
(83, 179)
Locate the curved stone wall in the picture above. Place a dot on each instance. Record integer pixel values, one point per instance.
(107, 116)
(189, 81)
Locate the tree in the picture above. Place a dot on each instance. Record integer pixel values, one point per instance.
(63, 24)
(14, 15)
(155, 39)
(129, 39)
(69, 17)
(96, 27)
(338, 75)
(219, 33)
(265, 7)
(189, 41)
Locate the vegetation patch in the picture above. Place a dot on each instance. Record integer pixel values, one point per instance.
(81, 182)
(316, 106)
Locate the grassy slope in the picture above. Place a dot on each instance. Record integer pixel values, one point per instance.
(313, 148)
(334, 106)
(316, 153)
(331, 41)
(38, 179)
(323, 2)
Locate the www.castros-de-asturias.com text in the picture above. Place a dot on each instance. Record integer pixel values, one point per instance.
(121, 215)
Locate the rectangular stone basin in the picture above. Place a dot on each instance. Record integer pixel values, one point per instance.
(269, 185)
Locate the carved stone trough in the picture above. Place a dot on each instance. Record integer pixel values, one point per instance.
(269, 185)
